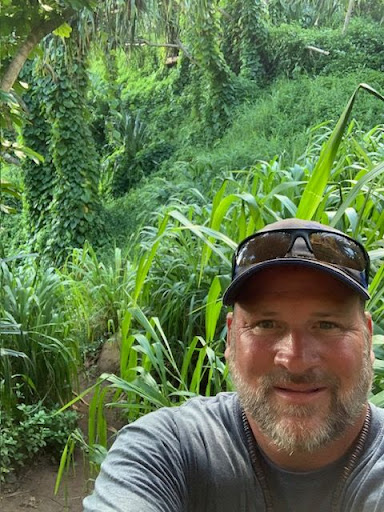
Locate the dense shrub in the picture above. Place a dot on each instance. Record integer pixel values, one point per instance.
(32, 431)
(361, 47)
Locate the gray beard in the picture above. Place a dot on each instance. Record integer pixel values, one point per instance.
(285, 425)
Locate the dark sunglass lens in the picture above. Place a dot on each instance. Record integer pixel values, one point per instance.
(332, 248)
(263, 247)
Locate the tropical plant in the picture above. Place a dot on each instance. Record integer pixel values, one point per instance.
(8, 189)
(31, 431)
(99, 293)
(11, 119)
(39, 357)
(130, 141)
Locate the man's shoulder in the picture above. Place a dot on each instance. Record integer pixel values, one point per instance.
(364, 492)
(377, 412)
(223, 400)
(372, 459)
(377, 427)
(221, 406)
(200, 420)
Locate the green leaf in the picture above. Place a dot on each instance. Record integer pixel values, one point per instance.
(63, 31)
(313, 193)
(371, 175)
(63, 463)
(212, 310)
(378, 399)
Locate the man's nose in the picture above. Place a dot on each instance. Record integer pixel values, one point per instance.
(296, 352)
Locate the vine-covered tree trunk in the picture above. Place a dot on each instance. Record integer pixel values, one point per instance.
(39, 178)
(76, 211)
(62, 194)
(204, 37)
(245, 37)
(252, 36)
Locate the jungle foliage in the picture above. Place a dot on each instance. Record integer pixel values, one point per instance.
(140, 143)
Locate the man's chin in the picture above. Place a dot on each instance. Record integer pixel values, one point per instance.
(296, 428)
(290, 436)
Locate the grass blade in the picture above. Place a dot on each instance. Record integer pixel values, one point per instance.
(314, 190)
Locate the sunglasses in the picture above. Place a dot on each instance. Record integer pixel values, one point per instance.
(325, 246)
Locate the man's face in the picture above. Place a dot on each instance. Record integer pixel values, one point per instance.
(299, 352)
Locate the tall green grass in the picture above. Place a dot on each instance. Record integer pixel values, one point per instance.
(39, 356)
(98, 291)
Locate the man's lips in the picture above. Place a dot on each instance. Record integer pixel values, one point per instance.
(299, 394)
(300, 389)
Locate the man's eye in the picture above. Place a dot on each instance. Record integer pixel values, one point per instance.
(327, 325)
(266, 324)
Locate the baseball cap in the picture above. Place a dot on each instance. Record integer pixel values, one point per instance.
(301, 243)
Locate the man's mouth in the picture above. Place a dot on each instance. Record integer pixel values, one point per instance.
(299, 389)
(299, 393)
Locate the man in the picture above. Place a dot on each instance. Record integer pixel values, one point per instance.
(299, 434)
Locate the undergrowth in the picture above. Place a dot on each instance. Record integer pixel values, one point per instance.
(32, 431)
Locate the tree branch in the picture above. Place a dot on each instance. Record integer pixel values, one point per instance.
(178, 44)
(318, 50)
(183, 48)
(145, 42)
(36, 35)
(225, 14)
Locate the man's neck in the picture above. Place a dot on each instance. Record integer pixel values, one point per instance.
(307, 461)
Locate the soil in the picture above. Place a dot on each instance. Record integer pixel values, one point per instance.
(34, 489)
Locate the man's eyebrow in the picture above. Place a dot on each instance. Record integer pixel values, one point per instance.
(267, 313)
(316, 314)
(323, 314)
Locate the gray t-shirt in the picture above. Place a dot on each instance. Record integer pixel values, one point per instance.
(195, 458)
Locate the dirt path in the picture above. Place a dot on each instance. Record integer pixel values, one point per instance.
(34, 489)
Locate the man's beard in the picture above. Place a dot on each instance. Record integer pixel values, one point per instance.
(285, 425)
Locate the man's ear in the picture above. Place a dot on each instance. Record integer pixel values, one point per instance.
(229, 334)
(369, 324)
